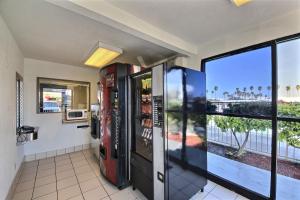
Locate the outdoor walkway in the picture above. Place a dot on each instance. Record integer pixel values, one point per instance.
(252, 177)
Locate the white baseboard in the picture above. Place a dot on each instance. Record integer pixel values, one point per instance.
(57, 152)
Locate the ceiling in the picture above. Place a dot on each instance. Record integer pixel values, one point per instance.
(47, 32)
(50, 31)
(200, 21)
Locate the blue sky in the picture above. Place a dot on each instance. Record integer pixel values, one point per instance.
(247, 69)
(288, 67)
(254, 68)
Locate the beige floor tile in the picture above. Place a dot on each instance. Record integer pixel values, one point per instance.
(80, 197)
(45, 180)
(83, 169)
(78, 158)
(65, 167)
(80, 163)
(29, 171)
(67, 182)
(51, 196)
(43, 190)
(27, 177)
(62, 157)
(31, 164)
(103, 180)
(95, 194)
(46, 172)
(65, 174)
(25, 195)
(110, 188)
(138, 194)
(46, 166)
(107, 198)
(69, 192)
(76, 154)
(63, 162)
(210, 186)
(199, 196)
(212, 197)
(46, 161)
(85, 176)
(123, 194)
(24, 186)
(97, 172)
(90, 184)
(223, 193)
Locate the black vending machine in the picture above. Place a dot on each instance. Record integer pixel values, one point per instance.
(168, 131)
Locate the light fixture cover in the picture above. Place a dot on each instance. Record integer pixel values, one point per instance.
(102, 54)
(239, 3)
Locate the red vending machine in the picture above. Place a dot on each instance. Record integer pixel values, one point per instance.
(114, 159)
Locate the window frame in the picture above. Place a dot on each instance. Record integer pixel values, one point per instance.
(274, 116)
(19, 80)
(65, 80)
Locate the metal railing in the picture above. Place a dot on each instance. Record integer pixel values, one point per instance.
(259, 142)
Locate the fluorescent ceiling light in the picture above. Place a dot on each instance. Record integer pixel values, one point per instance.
(102, 54)
(239, 3)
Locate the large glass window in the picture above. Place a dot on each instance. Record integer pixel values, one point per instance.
(288, 161)
(239, 96)
(55, 95)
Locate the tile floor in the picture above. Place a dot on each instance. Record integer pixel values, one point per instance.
(76, 176)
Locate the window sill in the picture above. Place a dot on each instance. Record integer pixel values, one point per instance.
(75, 121)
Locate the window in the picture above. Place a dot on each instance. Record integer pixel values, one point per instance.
(19, 101)
(55, 95)
(239, 130)
(245, 87)
(288, 168)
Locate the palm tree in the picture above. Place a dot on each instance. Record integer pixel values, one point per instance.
(245, 90)
(259, 89)
(225, 94)
(288, 89)
(251, 89)
(298, 88)
(237, 92)
(269, 91)
(216, 89)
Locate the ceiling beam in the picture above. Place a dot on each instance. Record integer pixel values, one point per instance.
(108, 14)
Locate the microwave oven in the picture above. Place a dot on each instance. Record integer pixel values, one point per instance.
(76, 114)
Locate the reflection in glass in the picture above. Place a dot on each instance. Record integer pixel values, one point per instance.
(175, 89)
(289, 78)
(288, 168)
(54, 95)
(240, 84)
(185, 134)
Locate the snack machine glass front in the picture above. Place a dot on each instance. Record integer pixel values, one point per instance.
(142, 119)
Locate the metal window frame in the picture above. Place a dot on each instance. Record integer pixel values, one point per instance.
(55, 79)
(274, 117)
(19, 79)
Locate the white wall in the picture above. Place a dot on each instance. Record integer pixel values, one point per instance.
(54, 135)
(11, 61)
(280, 26)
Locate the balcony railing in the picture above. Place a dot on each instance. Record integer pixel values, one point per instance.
(258, 142)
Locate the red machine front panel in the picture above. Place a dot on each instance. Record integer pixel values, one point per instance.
(108, 165)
